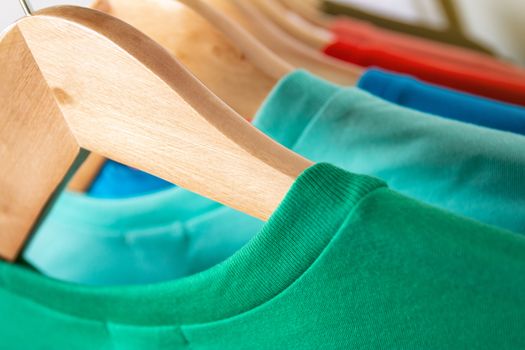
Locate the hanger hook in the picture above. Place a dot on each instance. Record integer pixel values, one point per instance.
(26, 7)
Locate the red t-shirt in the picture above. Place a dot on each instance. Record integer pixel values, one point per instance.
(359, 32)
(502, 87)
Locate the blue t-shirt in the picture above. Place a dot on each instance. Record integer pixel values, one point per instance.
(409, 92)
(118, 181)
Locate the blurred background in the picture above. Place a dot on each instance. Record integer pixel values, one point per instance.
(499, 24)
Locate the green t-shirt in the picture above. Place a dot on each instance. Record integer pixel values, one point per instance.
(343, 263)
(470, 170)
(467, 169)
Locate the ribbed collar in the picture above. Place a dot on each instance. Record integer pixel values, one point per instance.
(296, 234)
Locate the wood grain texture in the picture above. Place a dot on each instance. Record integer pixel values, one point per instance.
(36, 146)
(287, 46)
(315, 36)
(227, 59)
(220, 62)
(123, 96)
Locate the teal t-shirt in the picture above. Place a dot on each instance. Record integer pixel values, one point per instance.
(469, 170)
(344, 262)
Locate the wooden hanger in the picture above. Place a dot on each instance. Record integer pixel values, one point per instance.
(230, 61)
(27, 104)
(151, 16)
(315, 36)
(287, 46)
(310, 11)
(80, 79)
(86, 175)
(227, 59)
(229, 75)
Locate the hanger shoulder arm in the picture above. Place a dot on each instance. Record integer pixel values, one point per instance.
(124, 97)
(36, 147)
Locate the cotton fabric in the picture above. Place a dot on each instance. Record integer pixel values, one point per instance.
(344, 262)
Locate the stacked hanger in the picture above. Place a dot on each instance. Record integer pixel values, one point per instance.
(309, 10)
(175, 101)
(242, 83)
(268, 22)
(151, 113)
(240, 68)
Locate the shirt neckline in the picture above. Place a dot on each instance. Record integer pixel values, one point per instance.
(287, 245)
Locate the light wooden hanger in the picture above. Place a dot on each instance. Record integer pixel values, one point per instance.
(230, 61)
(315, 36)
(86, 175)
(310, 11)
(227, 59)
(151, 16)
(193, 40)
(75, 78)
(287, 46)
